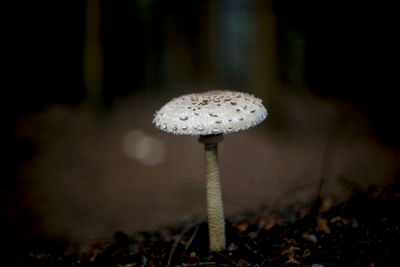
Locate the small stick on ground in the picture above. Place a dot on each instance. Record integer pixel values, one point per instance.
(192, 237)
(174, 246)
(196, 264)
(228, 258)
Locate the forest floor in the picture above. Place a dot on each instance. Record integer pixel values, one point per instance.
(361, 231)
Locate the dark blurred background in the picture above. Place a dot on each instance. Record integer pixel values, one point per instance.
(83, 78)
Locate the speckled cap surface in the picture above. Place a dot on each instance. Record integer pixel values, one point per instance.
(212, 112)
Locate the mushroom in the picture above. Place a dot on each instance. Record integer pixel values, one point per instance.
(209, 115)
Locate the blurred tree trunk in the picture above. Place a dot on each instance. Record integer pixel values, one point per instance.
(93, 55)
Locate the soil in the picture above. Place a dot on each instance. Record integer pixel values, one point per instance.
(361, 231)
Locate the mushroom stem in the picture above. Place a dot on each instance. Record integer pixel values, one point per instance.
(216, 220)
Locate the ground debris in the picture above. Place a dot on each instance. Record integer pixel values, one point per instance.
(362, 231)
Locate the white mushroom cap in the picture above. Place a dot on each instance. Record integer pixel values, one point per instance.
(213, 112)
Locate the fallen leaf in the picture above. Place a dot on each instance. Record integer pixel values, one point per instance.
(323, 226)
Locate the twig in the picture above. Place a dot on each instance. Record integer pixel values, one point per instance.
(226, 257)
(175, 245)
(263, 262)
(144, 261)
(196, 264)
(192, 237)
(173, 249)
(45, 259)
